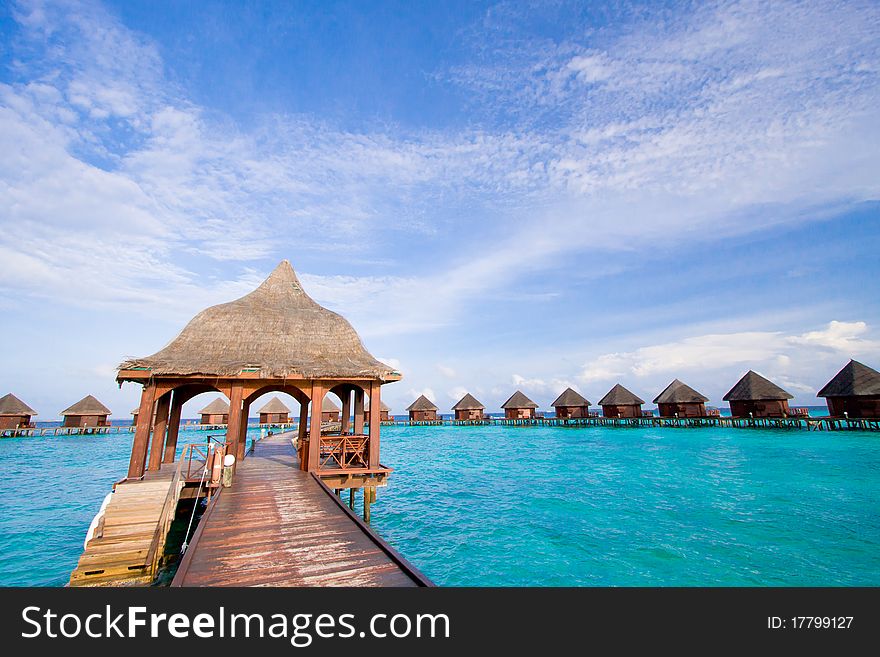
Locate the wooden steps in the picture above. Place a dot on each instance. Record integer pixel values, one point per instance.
(130, 538)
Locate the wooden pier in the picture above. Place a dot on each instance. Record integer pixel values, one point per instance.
(281, 526)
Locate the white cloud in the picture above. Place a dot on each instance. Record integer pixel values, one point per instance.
(839, 336)
(446, 371)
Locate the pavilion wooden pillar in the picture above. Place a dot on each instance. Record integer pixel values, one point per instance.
(314, 455)
(158, 443)
(242, 432)
(346, 411)
(358, 410)
(301, 432)
(173, 428)
(375, 410)
(142, 433)
(233, 426)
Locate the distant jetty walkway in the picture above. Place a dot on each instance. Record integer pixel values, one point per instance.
(280, 526)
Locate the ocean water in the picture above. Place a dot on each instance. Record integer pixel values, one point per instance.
(538, 506)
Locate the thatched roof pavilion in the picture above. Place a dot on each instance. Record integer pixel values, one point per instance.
(422, 410)
(274, 412)
(329, 411)
(853, 392)
(468, 408)
(276, 338)
(571, 404)
(14, 413)
(87, 412)
(620, 402)
(755, 396)
(519, 407)
(678, 399)
(217, 412)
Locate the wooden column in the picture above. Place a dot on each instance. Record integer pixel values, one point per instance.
(375, 406)
(315, 426)
(358, 410)
(233, 427)
(301, 432)
(346, 411)
(242, 435)
(173, 428)
(142, 433)
(158, 443)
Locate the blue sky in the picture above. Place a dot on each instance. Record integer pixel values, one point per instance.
(496, 195)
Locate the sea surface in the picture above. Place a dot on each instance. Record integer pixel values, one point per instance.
(538, 506)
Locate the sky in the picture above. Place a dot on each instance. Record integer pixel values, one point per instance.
(497, 196)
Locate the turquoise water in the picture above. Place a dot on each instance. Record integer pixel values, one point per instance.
(538, 505)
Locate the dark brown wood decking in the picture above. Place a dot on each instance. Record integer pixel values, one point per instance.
(277, 526)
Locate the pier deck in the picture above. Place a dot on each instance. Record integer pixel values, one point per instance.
(278, 526)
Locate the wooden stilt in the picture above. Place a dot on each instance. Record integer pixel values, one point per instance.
(351, 493)
(367, 500)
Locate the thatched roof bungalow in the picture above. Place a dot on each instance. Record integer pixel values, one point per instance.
(14, 413)
(422, 410)
(620, 402)
(468, 408)
(755, 396)
(217, 412)
(571, 404)
(519, 407)
(853, 392)
(384, 413)
(680, 400)
(87, 412)
(329, 411)
(274, 412)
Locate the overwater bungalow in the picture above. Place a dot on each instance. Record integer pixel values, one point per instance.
(329, 411)
(519, 407)
(217, 412)
(680, 400)
(620, 402)
(755, 396)
(571, 404)
(87, 412)
(422, 410)
(384, 412)
(274, 412)
(14, 413)
(853, 392)
(468, 408)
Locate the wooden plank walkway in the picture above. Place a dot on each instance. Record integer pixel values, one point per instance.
(277, 526)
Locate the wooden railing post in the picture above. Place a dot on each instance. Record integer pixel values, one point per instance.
(358, 410)
(314, 454)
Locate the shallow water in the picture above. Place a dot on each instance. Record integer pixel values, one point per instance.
(538, 505)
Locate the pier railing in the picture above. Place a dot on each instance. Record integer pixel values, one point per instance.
(345, 452)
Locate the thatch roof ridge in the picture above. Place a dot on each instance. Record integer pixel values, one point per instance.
(274, 405)
(276, 331)
(571, 398)
(620, 396)
(468, 403)
(679, 392)
(12, 405)
(422, 404)
(217, 407)
(853, 380)
(88, 405)
(329, 406)
(753, 386)
(519, 400)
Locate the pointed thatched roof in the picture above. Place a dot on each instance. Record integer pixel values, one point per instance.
(679, 393)
(570, 398)
(382, 407)
(136, 411)
(12, 405)
(88, 405)
(754, 387)
(274, 405)
(854, 380)
(216, 407)
(468, 403)
(519, 400)
(620, 396)
(422, 404)
(277, 331)
(328, 406)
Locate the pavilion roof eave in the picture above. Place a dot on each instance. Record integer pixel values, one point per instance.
(142, 374)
